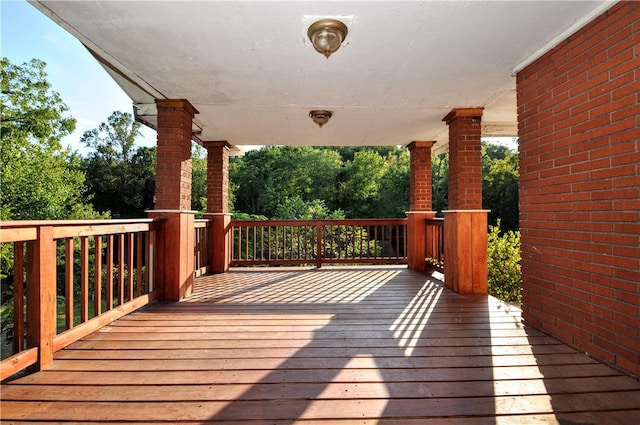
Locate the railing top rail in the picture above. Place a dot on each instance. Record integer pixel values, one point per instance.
(26, 230)
(363, 221)
(35, 223)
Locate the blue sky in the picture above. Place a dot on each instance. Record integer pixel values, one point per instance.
(87, 90)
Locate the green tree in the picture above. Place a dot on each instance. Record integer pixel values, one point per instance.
(440, 183)
(40, 179)
(393, 194)
(297, 209)
(500, 185)
(359, 185)
(120, 177)
(198, 178)
(264, 178)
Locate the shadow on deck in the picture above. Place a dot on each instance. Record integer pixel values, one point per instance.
(344, 345)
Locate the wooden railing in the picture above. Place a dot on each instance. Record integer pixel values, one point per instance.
(292, 242)
(435, 244)
(70, 278)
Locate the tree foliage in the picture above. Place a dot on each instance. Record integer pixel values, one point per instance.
(40, 179)
(264, 178)
(440, 183)
(500, 185)
(504, 264)
(198, 178)
(31, 111)
(297, 209)
(120, 177)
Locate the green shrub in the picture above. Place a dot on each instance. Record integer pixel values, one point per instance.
(504, 264)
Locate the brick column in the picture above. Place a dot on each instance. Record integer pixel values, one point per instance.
(173, 197)
(465, 159)
(465, 224)
(419, 203)
(218, 203)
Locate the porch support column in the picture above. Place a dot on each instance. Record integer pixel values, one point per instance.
(419, 203)
(173, 196)
(218, 203)
(465, 224)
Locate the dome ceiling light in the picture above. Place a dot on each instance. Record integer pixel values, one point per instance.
(327, 35)
(320, 116)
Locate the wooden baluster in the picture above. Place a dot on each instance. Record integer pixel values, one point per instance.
(130, 270)
(262, 231)
(319, 243)
(109, 283)
(254, 243)
(84, 279)
(149, 270)
(18, 297)
(139, 247)
(68, 284)
(121, 269)
(246, 244)
(97, 272)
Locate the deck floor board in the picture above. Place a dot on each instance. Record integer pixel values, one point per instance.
(343, 346)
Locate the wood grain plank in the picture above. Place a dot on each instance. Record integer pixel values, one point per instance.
(311, 363)
(202, 349)
(269, 410)
(314, 390)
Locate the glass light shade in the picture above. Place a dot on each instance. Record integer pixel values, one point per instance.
(320, 116)
(327, 35)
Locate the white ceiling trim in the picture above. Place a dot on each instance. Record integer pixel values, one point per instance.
(105, 59)
(564, 35)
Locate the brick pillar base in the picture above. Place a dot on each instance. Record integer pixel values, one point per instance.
(177, 257)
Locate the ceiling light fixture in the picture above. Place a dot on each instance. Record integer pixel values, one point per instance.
(327, 35)
(320, 116)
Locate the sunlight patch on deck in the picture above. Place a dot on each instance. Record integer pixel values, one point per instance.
(299, 287)
(536, 400)
(410, 324)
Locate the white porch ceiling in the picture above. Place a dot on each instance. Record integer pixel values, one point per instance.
(249, 70)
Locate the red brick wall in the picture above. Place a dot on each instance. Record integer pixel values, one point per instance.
(579, 128)
(465, 159)
(173, 161)
(420, 183)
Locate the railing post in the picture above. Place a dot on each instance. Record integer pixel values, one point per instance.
(417, 236)
(219, 241)
(41, 295)
(175, 248)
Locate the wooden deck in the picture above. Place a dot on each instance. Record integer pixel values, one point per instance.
(345, 346)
